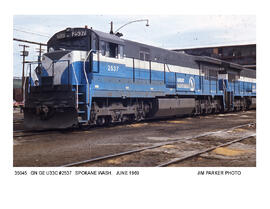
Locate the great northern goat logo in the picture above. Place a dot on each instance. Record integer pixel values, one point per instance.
(191, 84)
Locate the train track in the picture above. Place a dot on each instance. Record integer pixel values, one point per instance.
(18, 120)
(24, 133)
(203, 151)
(111, 156)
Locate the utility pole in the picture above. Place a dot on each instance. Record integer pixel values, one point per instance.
(24, 54)
(40, 51)
(32, 42)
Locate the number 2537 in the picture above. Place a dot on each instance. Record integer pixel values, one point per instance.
(113, 68)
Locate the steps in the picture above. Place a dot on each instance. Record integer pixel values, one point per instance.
(82, 106)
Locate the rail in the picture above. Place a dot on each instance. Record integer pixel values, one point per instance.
(106, 157)
(203, 151)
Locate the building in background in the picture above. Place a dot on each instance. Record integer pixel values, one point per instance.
(241, 54)
(17, 89)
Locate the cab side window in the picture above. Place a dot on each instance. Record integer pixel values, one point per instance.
(145, 56)
(103, 48)
(113, 50)
(141, 56)
(121, 51)
(94, 43)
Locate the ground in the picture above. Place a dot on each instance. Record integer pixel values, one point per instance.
(60, 148)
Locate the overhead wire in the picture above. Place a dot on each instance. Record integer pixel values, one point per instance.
(33, 33)
(30, 30)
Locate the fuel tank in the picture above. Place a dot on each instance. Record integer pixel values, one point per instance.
(165, 107)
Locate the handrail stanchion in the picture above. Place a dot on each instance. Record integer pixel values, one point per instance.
(53, 72)
(68, 73)
(86, 74)
(77, 85)
(29, 83)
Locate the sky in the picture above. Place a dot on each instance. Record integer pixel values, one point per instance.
(166, 31)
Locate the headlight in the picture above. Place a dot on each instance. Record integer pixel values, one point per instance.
(51, 49)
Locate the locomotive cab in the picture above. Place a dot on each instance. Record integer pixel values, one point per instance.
(55, 96)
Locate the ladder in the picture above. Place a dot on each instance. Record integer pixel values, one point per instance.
(83, 109)
(83, 99)
(228, 97)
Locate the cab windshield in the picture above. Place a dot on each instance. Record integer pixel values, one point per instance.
(74, 43)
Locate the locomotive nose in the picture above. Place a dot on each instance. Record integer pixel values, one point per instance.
(55, 64)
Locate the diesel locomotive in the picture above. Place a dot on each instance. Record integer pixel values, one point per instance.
(91, 77)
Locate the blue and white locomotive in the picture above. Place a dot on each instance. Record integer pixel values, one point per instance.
(91, 77)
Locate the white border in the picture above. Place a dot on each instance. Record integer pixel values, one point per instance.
(155, 188)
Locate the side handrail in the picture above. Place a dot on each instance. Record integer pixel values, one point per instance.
(91, 51)
(168, 67)
(224, 85)
(170, 72)
(77, 86)
(84, 66)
